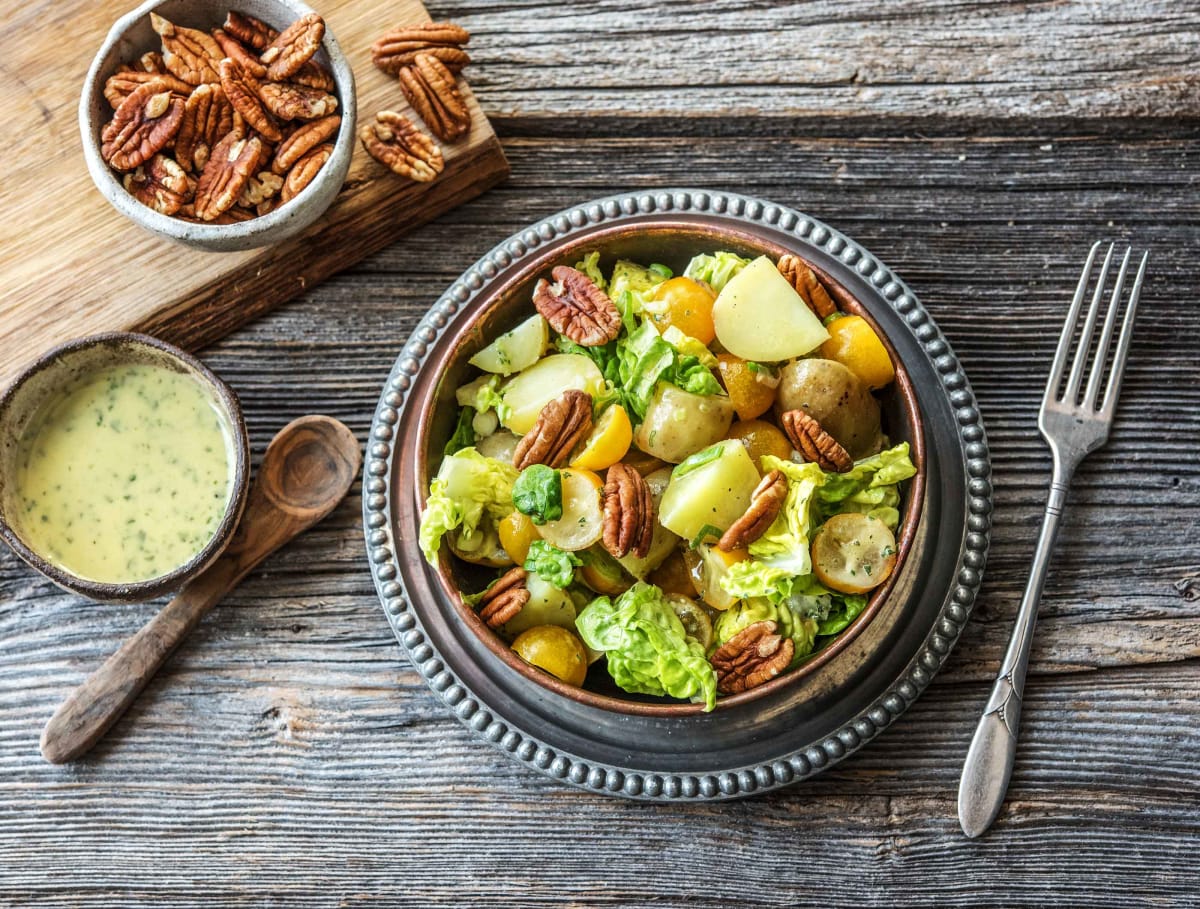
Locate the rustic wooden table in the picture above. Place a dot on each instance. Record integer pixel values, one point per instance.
(288, 755)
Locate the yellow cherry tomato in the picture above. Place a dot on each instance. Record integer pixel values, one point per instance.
(687, 305)
(609, 440)
(854, 344)
(853, 553)
(554, 649)
(751, 393)
(517, 532)
(761, 438)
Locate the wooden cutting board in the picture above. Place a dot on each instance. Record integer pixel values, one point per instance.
(71, 265)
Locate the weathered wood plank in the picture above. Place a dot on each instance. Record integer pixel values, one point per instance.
(824, 68)
(289, 756)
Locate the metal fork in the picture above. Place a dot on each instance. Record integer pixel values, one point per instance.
(1073, 429)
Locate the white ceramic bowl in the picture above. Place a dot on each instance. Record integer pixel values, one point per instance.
(130, 37)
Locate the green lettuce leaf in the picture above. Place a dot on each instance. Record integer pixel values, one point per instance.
(464, 433)
(785, 544)
(468, 489)
(846, 609)
(689, 346)
(645, 359)
(483, 394)
(715, 270)
(551, 564)
(646, 646)
(537, 492)
(590, 266)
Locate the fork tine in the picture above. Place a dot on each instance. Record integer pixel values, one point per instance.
(1064, 341)
(1110, 320)
(1118, 367)
(1071, 392)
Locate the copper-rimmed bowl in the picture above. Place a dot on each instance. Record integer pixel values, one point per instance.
(671, 242)
(600, 737)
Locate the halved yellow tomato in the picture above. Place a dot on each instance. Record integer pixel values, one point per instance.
(854, 344)
(686, 304)
(609, 440)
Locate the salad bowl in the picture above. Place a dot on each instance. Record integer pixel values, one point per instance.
(797, 723)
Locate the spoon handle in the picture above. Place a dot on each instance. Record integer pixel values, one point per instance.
(307, 469)
(88, 712)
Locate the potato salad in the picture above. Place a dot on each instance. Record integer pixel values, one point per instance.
(683, 479)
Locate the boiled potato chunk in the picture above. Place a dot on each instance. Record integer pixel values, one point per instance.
(547, 606)
(713, 490)
(530, 390)
(515, 350)
(662, 542)
(835, 397)
(759, 316)
(499, 445)
(678, 422)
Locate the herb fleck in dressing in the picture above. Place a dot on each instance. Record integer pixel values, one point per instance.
(124, 475)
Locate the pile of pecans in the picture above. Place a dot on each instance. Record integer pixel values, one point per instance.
(425, 59)
(222, 126)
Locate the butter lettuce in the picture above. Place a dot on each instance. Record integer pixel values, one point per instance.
(590, 266)
(553, 565)
(870, 486)
(785, 544)
(801, 629)
(483, 395)
(645, 358)
(646, 647)
(715, 270)
(467, 490)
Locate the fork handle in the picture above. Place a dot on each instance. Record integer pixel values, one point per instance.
(989, 762)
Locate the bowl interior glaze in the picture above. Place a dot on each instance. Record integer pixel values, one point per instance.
(69, 362)
(672, 242)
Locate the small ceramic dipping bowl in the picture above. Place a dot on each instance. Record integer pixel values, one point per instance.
(80, 386)
(130, 37)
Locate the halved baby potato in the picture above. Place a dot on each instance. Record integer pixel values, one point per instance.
(515, 350)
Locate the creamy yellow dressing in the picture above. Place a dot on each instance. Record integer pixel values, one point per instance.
(124, 475)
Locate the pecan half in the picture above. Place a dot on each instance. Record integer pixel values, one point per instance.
(207, 117)
(160, 184)
(399, 145)
(232, 48)
(121, 84)
(314, 75)
(142, 126)
(303, 140)
(225, 174)
(188, 53)
(628, 512)
(152, 62)
(253, 33)
(754, 655)
(812, 441)
(574, 306)
(242, 90)
(260, 189)
(304, 171)
(293, 47)
(561, 425)
(765, 504)
(289, 101)
(400, 46)
(801, 277)
(504, 598)
(433, 94)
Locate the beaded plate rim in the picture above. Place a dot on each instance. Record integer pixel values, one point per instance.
(472, 711)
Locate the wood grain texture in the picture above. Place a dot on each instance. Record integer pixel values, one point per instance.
(71, 265)
(288, 755)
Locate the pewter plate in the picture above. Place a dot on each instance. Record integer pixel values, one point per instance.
(797, 730)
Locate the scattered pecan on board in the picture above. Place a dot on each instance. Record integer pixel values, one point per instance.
(814, 442)
(561, 425)
(431, 90)
(754, 655)
(804, 280)
(399, 47)
(399, 145)
(765, 504)
(628, 513)
(574, 306)
(504, 598)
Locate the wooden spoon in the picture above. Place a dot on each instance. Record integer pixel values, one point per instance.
(307, 469)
